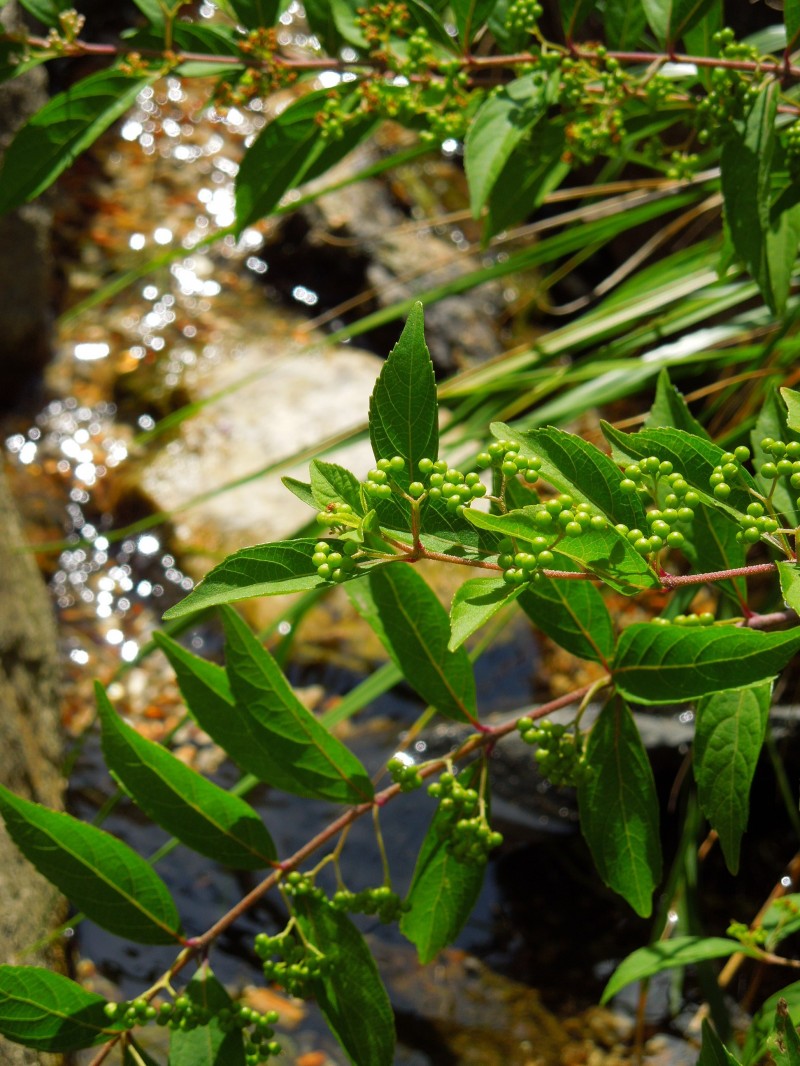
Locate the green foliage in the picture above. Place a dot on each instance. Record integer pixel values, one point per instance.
(557, 526)
(548, 523)
(619, 808)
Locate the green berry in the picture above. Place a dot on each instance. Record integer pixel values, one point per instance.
(416, 489)
(722, 491)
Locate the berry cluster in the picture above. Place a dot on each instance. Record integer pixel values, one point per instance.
(690, 621)
(445, 482)
(337, 515)
(504, 456)
(732, 92)
(334, 565)
(379, 483)
(385, 904)
(786, 461)
(664, 523)
(792, 142)
(286, 959)
(559, 754)
(184, 1014)
(462, 824)
(404, 774)
(522, 16)
(726, 470)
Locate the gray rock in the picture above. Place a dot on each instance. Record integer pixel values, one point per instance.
(294, 399)
(30, 752)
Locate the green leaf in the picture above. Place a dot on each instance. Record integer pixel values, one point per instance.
(619, 808)
(533, 169)
(624, 23)
(670, 19)
(605, 553)
(765, 239)
(331, 482)
(755, 1045)
(792, 401)
(263, 570)
(474, 603)
(207, 692)
(771, 422)
(350, 994)
(207, 1045)
(572, 613)
(294, 751)
(254, 14)
(46, 11)
(403, 409)
(729, 733)
(671, 664)
(791, 16)
(782, 919)
(574, 13)
(103, 877)
(415, 629)
(301, 489)
(694, 457)
(789, 574)
(500, 123)
(784, 1044)
(443, 890)
(580, 469)
(47, 1011)
(669, 955)
(290, 150)
(713, 1052)
(196, 811)
(57, 134)
(711, 545)
(470, 15)
(671, 410)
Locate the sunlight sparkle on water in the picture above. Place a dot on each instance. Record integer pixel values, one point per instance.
(87, 351)
(148, 544)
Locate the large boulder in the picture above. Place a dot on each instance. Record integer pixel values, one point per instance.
(30, 753)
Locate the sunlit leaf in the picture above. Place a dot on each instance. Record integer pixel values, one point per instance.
(403, 409)
(572, 613)
(414, 628)
(350, 994)
(47, 1011)
(294, 752)
(191, 808)
(729, 735)
(669, 19)
(619, 808)
(57, 134)
(474, 603)
(499, 125)
(103, 877)
(206, 1045)
(765, 237)
(669, 664)
(669, 955)
(443, 890)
